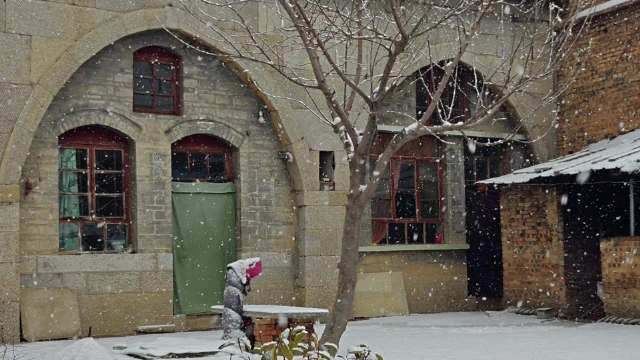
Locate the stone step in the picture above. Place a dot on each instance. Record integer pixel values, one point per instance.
(156, 329)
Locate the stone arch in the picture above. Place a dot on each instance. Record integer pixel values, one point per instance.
(209, 127)
(107, 118)
(513, 107)
(117, 27)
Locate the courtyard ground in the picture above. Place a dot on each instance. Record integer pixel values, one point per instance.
(469, 336)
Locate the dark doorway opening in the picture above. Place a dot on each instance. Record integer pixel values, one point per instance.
(591, 212)
(484, 258)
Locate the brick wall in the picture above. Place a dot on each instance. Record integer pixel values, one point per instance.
(603, 99)
(532, 251)
(621, 276)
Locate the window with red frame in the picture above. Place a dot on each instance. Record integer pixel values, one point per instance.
(156, 81)
(407, 205)
(94, 192)
(201, 158)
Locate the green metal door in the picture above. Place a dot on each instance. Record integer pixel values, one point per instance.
(204, 233)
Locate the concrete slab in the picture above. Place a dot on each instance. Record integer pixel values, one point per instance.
(380, 294)
(49, 314)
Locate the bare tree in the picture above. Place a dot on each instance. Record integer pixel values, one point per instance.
(357, 54)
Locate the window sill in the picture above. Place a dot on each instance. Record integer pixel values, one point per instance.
(417, 247)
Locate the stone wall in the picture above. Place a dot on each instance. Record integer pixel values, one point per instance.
(214, 102)
(604, 97)
(621, 276)
(434, 281)
(532, 246)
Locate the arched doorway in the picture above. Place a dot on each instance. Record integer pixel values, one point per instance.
(204, 221)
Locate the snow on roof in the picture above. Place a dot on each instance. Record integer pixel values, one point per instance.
(620, 153)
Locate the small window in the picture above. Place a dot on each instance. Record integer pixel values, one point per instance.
(201, 158)
(326, 169)
(94, 196)
(156, 81)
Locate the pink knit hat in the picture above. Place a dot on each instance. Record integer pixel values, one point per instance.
(255, 269)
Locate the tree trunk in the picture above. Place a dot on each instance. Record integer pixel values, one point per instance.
(349, 259)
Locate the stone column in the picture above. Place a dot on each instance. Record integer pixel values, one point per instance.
(454, 226)
(9, 279)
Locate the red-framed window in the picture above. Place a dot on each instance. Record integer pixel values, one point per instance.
(94, 196)
(407, 207)
(456, 102)
(201, 158)
(156, 81)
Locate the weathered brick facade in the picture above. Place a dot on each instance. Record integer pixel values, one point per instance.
(602, 100)
(532, 249)
(621, 276)
(603, 73)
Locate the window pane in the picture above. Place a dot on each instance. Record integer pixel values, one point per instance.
(92, 237)
(108, 160)
(109, 206)
(165, 87)
(432, 233)
(109, 183)
(74, 206)
(141, 68)
(164, 104)
(396, 234)
(198, 166)
(145, 101)
(69, 238)
(406, 193)
(415, 233)
(164, 71)
(179, 166)
(381, 201)
(116, 237)
(217, 168)
(143, 85)
(429, 191)
(73, 182)
(73, 158)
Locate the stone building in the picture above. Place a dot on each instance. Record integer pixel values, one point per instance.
(569, 226)
(116, 139)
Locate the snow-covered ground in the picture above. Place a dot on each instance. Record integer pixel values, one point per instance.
(469, 336)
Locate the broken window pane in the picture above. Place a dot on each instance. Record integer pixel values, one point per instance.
(109, 206)
(74, 206)
(116, 237)
(92, 237)
(73, 158)
(415, 234)
(69, 237)
(109, 183)
(179, 165)
(73, 182)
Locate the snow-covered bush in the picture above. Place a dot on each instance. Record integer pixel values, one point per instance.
(298, 344)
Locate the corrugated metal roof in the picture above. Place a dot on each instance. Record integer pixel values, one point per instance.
(620, 153)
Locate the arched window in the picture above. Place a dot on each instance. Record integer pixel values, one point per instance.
(156, 81)
(458, 99)
(94, 200)
(201, 158)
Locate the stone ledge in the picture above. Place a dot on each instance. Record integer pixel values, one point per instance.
(96, 263)
(416, 247)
